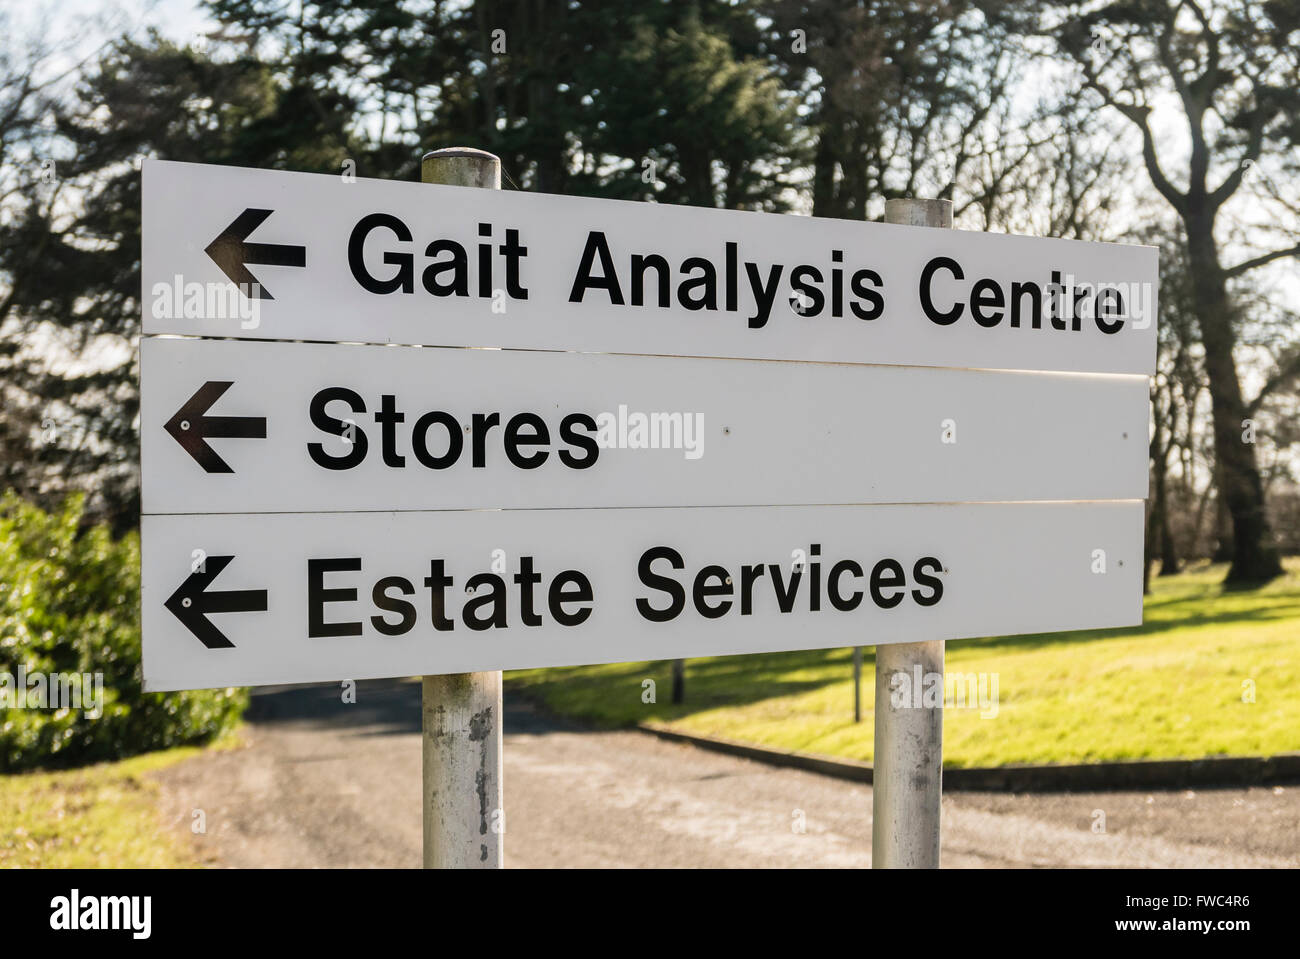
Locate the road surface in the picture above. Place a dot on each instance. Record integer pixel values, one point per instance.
(323, 783)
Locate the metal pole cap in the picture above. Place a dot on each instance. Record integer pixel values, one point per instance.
(462, 166)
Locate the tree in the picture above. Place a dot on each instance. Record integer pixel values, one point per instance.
(902, 100)
(28, 190)
(1233, 71)
(684, 115)
(618, 98)
(69, 262)
(1173, 388)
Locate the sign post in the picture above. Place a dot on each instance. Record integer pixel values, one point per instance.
(907, 761)
(393, 429)
(464, 823)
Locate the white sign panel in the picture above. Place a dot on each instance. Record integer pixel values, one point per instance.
(235, 426)
(259, 254)
(257, 599)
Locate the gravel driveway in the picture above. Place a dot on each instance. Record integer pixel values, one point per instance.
(322, 783)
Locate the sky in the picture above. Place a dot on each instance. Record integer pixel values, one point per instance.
(82, 25)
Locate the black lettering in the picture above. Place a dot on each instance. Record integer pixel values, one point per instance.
(639, 266)
(858, 284)
(496, 598)
(814, 293)
(927, 277)
(748, 576)
(608, 280)
(437, 582)
(764, 295)
(1108, 309)
(515, 439)
(707, 281)
(584, 442)
(328, 424)
(785, 591)
(526, 579)
(1018, 291)
(986, 295)
(318, 596)
(379, 596)
(403, 279)
(482, 423)
(887, 574)
(513, 253)
(833, 586)
(420, 440)
(558, 596)
(703, 591)
(920, 572)
(457, 265)
(676, 594)
(388, 418)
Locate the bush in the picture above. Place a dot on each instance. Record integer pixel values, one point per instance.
(70, 603)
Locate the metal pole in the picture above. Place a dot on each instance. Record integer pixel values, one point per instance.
(907, 770)
(857, 684)
(464, 826)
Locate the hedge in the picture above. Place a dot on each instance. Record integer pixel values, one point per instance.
(70, 603)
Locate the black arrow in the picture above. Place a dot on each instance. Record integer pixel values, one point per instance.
(233, 253)
(191, 604)
(192, 428)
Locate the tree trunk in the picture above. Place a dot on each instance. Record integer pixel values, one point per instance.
(1148, 547)
(1254, 558)
(679, 680)
(1160, 479)
(1222, 552)
(1158, 518)
(824, 176)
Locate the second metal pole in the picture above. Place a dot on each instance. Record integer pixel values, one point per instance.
(464, 819)
(907, 767)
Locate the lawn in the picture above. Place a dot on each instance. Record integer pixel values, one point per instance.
(1179, 686)
(97, 816)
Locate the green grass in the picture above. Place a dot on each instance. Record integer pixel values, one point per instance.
(1171, 688)
(98, 816)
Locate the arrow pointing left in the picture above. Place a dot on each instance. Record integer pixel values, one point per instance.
(192, 428)
(232, 252)
(191, 604)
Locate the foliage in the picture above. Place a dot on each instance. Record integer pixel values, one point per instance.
(70, 603)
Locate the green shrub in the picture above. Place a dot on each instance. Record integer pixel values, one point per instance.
(70, 603)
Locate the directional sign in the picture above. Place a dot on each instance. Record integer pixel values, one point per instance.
(387, 262)
(536, 430)
(191, 427)
(237, 426)
(193, 601)
(308, 597)
(233, 253)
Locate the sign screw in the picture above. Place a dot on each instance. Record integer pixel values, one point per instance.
(185, 424)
